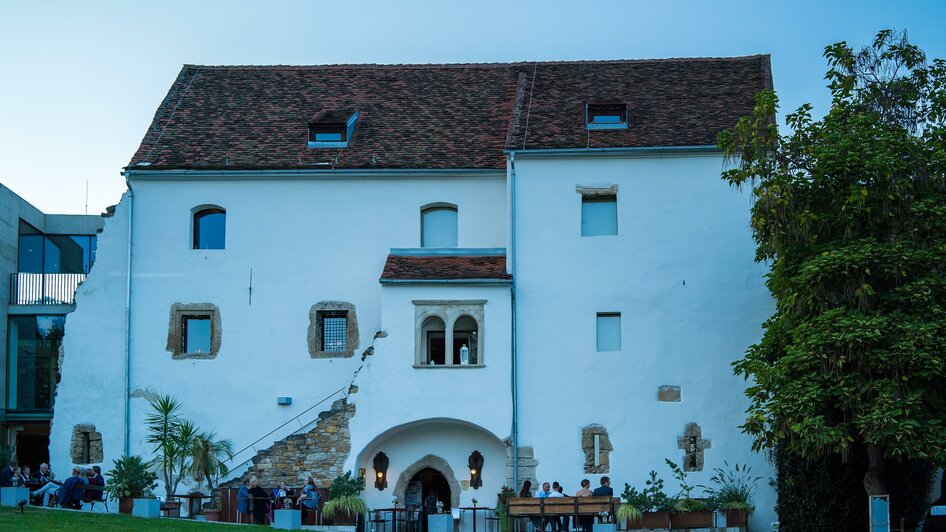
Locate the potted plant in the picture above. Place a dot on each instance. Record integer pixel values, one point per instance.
(502, 508)
(208, 463)
(732, 491)
(344, 501)
(651, 503)
(129, 479)
(688, 512)
(172, 438)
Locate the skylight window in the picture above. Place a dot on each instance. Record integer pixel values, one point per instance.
(332, 129)
(610, 115)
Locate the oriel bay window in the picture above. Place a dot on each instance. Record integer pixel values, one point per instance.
(33, 361)
(448, 333)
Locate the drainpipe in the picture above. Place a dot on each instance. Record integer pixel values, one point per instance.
(127, 409)
(512, 299)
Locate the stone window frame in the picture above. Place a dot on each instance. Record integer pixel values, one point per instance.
(314, 334)
(180, 311)
(86, 445)
(448, 310)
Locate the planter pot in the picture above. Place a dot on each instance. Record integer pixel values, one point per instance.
(650, 520)
(287, 519)
(702, 519)
(173, 508)
(212, 514)
(148, 508)
(737, 518)
(126, 505)
(12, 496)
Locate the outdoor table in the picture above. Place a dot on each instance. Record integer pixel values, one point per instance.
(393, 512)
(475, 509)
(193, 503)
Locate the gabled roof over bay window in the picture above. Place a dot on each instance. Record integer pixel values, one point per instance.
(457, 265)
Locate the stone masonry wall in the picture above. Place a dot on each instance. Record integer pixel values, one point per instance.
(321, 452)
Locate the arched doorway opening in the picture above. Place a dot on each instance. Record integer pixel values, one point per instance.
(425, 488)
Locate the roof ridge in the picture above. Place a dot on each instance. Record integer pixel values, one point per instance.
(494, 64)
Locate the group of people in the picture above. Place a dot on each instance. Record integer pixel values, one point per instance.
(561, 523)
(251, 498)
(51, 492)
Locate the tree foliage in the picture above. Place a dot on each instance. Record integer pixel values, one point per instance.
(850, 213)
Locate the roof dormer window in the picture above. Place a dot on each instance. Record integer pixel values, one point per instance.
(331, 130)
(606, 115)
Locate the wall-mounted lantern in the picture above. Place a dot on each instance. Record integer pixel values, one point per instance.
(476, 469)
(381, 471)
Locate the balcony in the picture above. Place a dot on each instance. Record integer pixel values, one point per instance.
(44, 288)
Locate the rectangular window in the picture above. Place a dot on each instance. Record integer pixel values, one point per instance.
(599, 215)
(334, 326)
(195, 334)
(609, 331)
(328, 133)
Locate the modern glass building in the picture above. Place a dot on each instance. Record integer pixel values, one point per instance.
(45, 258)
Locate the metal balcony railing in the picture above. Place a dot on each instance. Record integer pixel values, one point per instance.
(44, 288)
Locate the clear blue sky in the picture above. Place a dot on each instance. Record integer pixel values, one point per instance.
(80, 81)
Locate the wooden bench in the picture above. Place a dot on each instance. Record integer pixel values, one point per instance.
(561, 506)
(80, 494)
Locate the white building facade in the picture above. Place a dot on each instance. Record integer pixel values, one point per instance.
(535, 263)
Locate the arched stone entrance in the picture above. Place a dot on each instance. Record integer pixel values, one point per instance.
(436, 464)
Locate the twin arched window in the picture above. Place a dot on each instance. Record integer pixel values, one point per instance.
(445, 347)
(438, 226)
(210, 228)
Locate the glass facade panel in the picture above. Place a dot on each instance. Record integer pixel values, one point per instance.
(31, 254)
(439, 228)
(599, 215)
(33, 364)
(39, 253)
(210, 227)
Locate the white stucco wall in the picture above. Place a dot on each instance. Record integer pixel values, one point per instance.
(677, 222)
(306, 241)
(92, 387)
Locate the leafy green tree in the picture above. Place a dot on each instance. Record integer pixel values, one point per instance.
(850, 213)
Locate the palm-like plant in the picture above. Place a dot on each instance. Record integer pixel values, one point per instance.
(163, 423)
(208, 459)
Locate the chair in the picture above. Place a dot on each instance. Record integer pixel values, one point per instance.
(376, 520)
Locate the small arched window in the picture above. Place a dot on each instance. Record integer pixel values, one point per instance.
(438, 226)
(210, 228)
(433, 333)
(465, 334)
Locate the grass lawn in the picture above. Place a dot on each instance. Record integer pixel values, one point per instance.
(39, 519)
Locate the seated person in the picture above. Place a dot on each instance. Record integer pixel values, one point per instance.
(93, 477)
(49, 487)
(279, 495)
(309, 500)
(6, 476)
(67, 492)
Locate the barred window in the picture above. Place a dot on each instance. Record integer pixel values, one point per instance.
(334, 325)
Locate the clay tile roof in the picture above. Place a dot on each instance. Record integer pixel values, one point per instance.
(445, 268)
(439, 116)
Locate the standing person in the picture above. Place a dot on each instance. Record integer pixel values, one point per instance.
(45, 477)
(558, 522)
(604, 490)
(6, 476)
(542, 494)
(586, 522)
(310, 498)
(243, 500)
(526, 490)
(260, 500)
